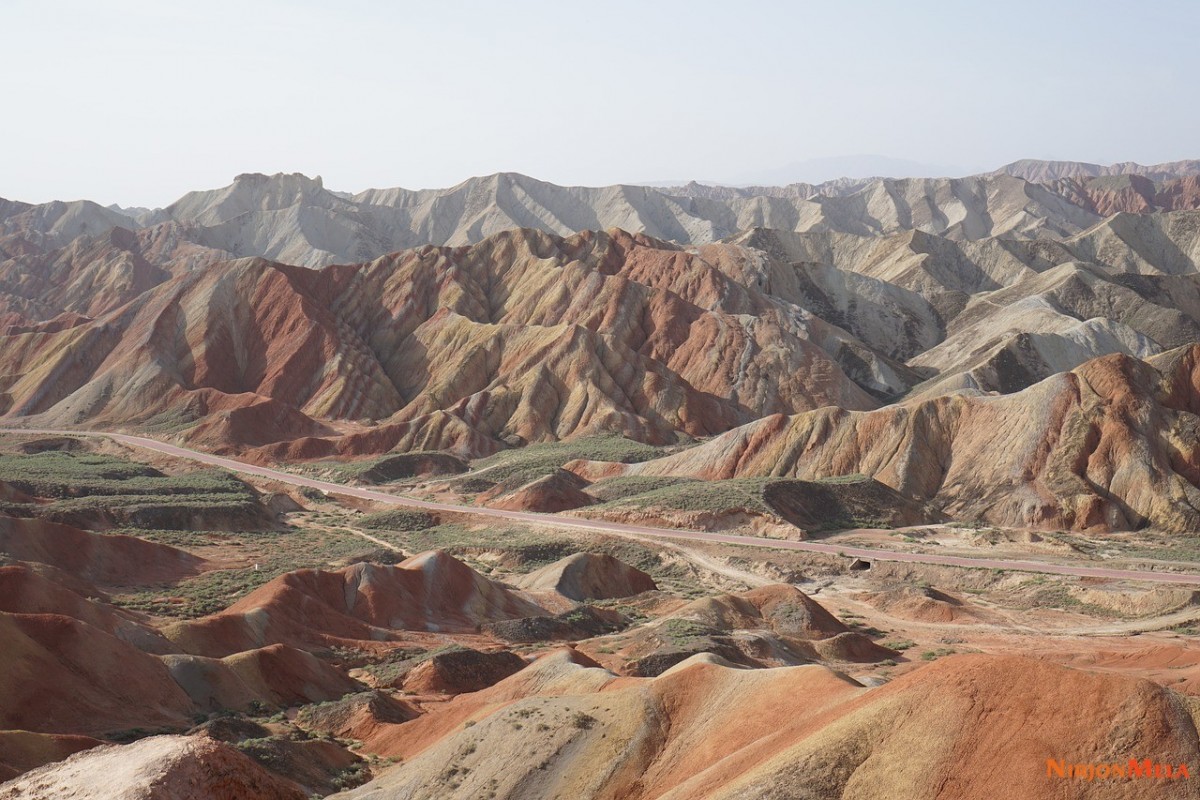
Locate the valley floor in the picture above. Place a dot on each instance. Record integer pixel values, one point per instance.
(312, 633)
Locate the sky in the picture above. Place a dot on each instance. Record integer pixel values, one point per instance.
(138, 101)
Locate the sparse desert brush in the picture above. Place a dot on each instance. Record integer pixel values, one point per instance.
(583, 721)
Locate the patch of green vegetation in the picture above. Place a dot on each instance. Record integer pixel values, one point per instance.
(56, 474)
(933, 655)
(396, 663)
(138, 494)
(1177, 548)
(473, 486)
(351, 776)
(264, 750)
(168, 423)
(631, 613)
(397, 519)
(744, 493)
(902, 645)
(337, 471)
(850, 523)
(623, 486)
(521, 465)
(854, 477)
(1054, 594)
(683, 632)
(866, 630)
(182, 539)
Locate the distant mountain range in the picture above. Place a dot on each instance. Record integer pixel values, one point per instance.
(296, 220)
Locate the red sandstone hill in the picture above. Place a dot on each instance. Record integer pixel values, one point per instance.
(275, 675)
(967, 726)
(107, 559)
(30, 588)
(73, 663)
(1131, 193)
(552, 337)
(64, 676)
(364, 602)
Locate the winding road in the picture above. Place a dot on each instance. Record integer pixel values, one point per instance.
(603, 526)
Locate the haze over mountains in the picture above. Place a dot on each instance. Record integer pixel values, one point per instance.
(280, 320)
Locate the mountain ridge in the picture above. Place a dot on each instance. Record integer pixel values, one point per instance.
(292, 218)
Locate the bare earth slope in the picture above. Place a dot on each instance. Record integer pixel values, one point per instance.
(158, 768)
(705, 729)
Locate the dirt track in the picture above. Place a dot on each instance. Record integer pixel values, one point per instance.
(603, 526)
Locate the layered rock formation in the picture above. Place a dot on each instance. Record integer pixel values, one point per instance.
(365, 602)
(706, 729)
(1110, 445)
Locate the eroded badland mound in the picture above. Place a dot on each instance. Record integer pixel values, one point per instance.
(159, 768)
(703, 729)
(589, 576)
(429, 592)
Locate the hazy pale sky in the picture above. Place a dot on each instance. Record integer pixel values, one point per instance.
(138, 101)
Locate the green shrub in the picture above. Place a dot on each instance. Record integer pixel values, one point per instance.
(398, 519)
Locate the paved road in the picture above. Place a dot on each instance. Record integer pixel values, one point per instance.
(603, 526)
